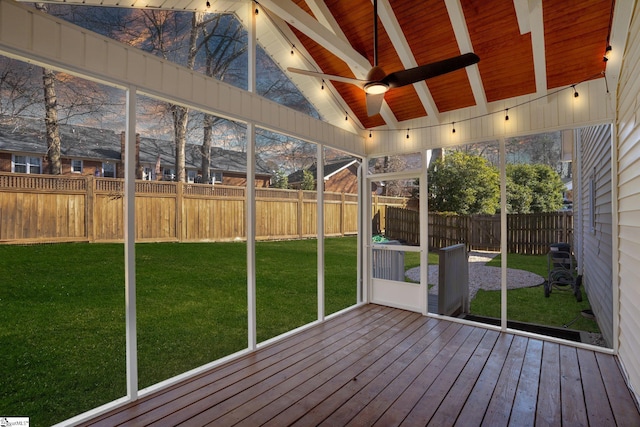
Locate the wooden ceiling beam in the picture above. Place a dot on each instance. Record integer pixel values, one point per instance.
(399, 41)
(459, 24)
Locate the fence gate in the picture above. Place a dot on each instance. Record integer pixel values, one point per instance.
(485, 232)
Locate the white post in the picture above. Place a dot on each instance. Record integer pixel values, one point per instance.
(615, 267)
(251, 191)
(320, 228)
(503, 233)
(424, 233)
(361, 230)
(365, 215)
(129, 244)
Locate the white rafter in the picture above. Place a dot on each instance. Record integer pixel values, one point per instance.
(522, 14)
(537, 44)
(392, 26)
(454, 8)
(325, 17)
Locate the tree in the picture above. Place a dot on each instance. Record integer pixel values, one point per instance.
(280, 179)
(464, 184)
(52, 130)
(308, 181)
(534, 189)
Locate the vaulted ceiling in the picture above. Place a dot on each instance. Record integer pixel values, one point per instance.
(525, 47)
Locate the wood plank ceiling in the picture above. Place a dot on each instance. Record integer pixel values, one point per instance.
(574, 34)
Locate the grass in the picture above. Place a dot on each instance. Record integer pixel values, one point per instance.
(529, 304)
(62, 311)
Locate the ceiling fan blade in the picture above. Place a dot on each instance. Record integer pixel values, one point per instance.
(332, 77)
(374, 103)
(423, 72)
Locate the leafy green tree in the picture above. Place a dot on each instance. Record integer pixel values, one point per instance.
(281, 180)
(465, 184)
(534, 188)
(308, 181)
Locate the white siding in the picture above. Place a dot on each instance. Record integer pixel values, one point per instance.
(593, 228)
(527, 115)
(628, 140)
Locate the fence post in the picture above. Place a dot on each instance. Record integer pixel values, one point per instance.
(342, 212)
(300, 211)
(179, 200)
(89, 220)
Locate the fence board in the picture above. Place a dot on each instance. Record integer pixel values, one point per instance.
(44, 208)
(529, 234)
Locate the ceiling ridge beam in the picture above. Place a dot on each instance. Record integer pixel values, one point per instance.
(459, 24)
(295, 16)
(399, 41)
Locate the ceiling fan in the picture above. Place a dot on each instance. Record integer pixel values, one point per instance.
(378, 82)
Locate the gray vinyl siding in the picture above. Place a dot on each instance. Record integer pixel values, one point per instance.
(594, 225)
(628, 175)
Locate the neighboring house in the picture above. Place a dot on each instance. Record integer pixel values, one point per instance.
(99, 152)
(340, 176)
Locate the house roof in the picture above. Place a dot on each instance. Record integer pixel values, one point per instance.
(80, 142)
(330, 169)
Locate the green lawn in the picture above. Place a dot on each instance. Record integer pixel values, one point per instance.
(62, 312)
(529, 304)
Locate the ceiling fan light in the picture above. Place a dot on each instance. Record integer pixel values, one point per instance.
(375, 88)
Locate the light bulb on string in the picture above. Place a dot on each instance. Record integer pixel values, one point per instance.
(407, 133)
(575, 92)
(506, 116)
(453, 126)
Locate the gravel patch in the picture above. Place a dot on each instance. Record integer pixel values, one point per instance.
(482, 276)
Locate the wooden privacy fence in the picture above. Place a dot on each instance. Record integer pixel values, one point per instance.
(529, 234)
(45, 208)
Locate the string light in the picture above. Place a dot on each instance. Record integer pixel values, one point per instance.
(369, 133)
(506, 116)
(346, 116)
(256, 11)
(607, 52)
(575, 92)
(208, 4)
(453, 125)
(322, 87)
(293, 46)
(407, 133)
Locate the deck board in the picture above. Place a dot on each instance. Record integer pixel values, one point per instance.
(383, 366)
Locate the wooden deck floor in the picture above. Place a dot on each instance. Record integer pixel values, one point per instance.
(385, 367)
